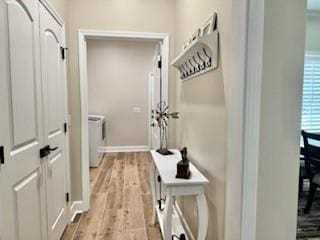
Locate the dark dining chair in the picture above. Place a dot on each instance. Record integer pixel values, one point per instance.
(312, 164)
(302, 173)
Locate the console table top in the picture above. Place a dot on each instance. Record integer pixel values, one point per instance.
(167, 168)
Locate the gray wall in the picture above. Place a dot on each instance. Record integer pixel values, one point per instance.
(203, 106)
(118, 82)
(150, 16)
(61, 7)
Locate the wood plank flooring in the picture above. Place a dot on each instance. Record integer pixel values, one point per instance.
(120, 201)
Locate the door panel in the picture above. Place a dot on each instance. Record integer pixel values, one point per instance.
(53, 73)
(51, 34)
(27, 212)
(55, 180)
(155, 85)
(22, 196)
(21, 68)
(154, 131)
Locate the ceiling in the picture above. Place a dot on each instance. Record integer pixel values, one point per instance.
(314, 5)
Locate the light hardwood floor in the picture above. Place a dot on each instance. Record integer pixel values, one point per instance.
(120, 201)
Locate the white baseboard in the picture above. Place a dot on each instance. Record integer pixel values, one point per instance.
(184, 222)
(124, 149)
(76, 207)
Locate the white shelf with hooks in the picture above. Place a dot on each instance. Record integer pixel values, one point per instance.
(201, 55)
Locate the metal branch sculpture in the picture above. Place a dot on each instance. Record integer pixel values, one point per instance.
(162, 118)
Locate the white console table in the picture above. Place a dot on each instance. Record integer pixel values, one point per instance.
(165, 167)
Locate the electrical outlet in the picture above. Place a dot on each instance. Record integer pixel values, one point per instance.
(136, 109)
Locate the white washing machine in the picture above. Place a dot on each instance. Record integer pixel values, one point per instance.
(97, 138)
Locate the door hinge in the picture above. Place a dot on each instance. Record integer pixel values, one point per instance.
(65, 126)
(63, 52)
(160, 63)
(2, 155)
(67, 197)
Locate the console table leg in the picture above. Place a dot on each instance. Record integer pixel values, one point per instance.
(167, 224)
(202, 216)
(153, 191)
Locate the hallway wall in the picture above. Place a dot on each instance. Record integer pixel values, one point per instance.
(118, 81)
(133, 15)
(202, 104)
(61, 7)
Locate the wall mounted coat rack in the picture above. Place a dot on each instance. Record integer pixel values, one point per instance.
(200, 53)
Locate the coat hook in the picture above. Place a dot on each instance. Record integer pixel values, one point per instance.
(197, 63)
(194, 66)
(190, 68)
(186, 70)
(203, 62)
(209, 60)
(182, 72)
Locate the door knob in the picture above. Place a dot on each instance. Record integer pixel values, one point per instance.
(52, 149)
(46, 150)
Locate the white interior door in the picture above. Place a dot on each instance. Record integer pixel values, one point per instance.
(21, 136)
(155, 93)
(51, 37)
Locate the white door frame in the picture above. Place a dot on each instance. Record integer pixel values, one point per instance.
(253, 83)
(150, 96)
(83, 35)
(246, 49)
(244, 108)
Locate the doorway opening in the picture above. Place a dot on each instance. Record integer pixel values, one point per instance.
(95, 42)
(309, 184)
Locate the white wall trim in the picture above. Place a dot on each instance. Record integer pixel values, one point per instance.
(83, 35)
(244, 118)
(124, 149)
(85, 187)
(97, 34)
(255, 36)
(235, 120)
(76, 207)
